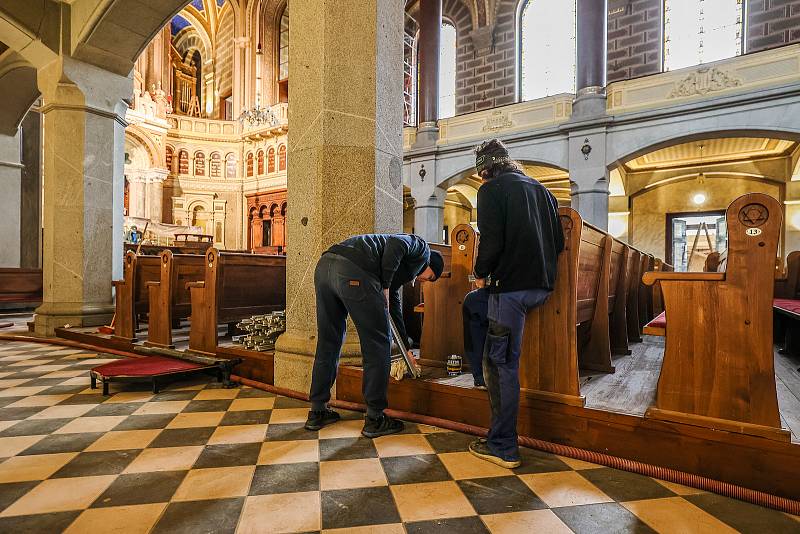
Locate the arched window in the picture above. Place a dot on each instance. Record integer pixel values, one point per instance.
(230, 166)
(183, 162)
(447, 71)
(282, 158)
(260, 162)
(199, 164)
(271, 160)
(215, 165)
(170, 156)
(249, 164)
(283, 46)
(700, 31)
(546, 48)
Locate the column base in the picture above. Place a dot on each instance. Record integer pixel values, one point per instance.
(427, 135)
(294, 359)
(589, 105)
(50, 316)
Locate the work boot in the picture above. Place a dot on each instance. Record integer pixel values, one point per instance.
(317, 420)
(480, 448)
(382, 426)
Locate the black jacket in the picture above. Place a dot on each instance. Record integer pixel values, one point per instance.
(521, 234)
(395, 259)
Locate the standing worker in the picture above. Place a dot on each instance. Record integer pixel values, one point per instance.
(521, 238)
(362, 277)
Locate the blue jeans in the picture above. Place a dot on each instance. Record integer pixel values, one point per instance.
(475, 310)
(507, 312)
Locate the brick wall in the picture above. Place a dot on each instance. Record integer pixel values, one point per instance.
(635, 29)
(772, 23)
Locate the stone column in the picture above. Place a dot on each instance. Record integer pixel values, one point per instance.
(136, 194)
(589, 176)
(11, 200)
(345, 151)
(31, 209)
(155, 194)
(84, 150)
(428, 199)
(430, 30)
(590, 98)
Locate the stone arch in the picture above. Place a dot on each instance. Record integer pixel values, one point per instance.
(260, 159)
(140, 138)
(230, 165)
(19, 87)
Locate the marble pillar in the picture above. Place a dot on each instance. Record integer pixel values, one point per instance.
(430, 30)
(345, 151)
(428, 199)
(590, 76)
(84, 149)
(588, 175)
(11, 200)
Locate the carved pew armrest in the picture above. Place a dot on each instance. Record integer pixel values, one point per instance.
(118, 283)
(200, 284)
(651, 277)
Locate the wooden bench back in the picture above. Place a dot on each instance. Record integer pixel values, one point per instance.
(235, 286)
(788, 287)
(132, 294)
(170, 298)
(718, 367)
(633, 277)
(21, 285)
(442, 325)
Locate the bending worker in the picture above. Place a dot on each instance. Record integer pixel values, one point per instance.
(521, 238)
(362, 277)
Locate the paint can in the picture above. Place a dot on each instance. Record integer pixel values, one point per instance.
(454, 365)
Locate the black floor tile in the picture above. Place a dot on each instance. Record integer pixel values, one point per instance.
(624, 486)
(36, 382)
(36, 427)
(57, 443)
(228, 455)
(253, 393)
(247, 417)
(18, 414)
(499, 495)
(609, 517)
(114, 408)
(182, 437)
(346, 508)
(5, 401)
(88, 464)
(146, 422)
(449, 441)
(456, 525)
(85, 398)
(414, 469)
(285, 478)
(346, 449)
(52, 522)
(9, 493)
(174, 396)
(140, 488)
(289, 432)
(63, 390)
(744, 517)
(287, 402)
(534, 461)
(200, 516)
(207, 406)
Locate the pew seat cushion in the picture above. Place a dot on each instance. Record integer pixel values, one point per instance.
(787, 305)
(658, 326)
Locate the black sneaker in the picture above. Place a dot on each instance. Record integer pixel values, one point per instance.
(382, 426)
(317, 420)
(480, 384)
(480, 448)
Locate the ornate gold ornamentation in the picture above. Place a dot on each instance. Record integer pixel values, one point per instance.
(704, 81)
(754, 215)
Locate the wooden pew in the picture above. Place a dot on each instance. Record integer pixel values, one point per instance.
(442, 324)
(20, 286)
(658, 299)
(718, 368)
(132, 294)
(788, 286)
(579, 303)
(618, 296)
(169, 298)
(633, 277)
(235, 286)
(645, 293)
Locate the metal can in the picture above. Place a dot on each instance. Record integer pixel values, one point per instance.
(454, 365)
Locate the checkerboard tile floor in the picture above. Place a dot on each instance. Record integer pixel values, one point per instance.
(197, 458)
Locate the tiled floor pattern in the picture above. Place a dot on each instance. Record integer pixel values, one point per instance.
(196, 458)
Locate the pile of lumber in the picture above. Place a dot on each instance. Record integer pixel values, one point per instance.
(262, 331)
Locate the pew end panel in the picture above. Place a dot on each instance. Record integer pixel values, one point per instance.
(124, 308)
(594, 273)
(718, 367)
(633, 276)
(618, 323)
(549, 362)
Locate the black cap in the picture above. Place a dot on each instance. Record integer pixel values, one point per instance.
(436, 263)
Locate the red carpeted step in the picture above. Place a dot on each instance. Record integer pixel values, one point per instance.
(149, 366)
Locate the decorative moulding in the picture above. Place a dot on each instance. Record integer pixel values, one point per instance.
(704, 81)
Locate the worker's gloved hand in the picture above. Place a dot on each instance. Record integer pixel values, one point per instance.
(386, 297)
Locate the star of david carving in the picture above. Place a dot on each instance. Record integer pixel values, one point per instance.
(753, 215)
(462, 237)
